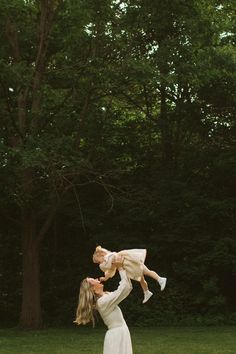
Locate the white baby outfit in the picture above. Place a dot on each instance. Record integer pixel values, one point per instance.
(133, 263)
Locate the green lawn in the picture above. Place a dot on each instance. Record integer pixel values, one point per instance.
(159, 340)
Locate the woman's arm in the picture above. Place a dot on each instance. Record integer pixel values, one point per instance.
(108, 301)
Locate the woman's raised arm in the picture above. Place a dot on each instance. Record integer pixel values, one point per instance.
(108, 301)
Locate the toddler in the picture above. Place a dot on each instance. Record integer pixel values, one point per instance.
(133, 264)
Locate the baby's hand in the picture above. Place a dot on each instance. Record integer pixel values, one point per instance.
(118, 261)
(102, 279)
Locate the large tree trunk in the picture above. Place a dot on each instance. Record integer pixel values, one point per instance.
(31, 309)
(32, 234)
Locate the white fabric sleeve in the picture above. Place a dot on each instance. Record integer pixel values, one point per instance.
(103, 267)
(109, 301)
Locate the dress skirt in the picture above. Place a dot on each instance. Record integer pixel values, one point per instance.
(133, 262)
(118, 341)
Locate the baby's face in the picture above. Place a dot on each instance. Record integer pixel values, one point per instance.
(98, 258)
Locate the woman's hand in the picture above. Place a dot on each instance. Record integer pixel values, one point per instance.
(118, 261)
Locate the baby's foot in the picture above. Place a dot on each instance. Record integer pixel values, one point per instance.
(162, 283)
(147, 295)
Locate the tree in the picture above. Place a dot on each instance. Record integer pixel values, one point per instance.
(41, 75)
(102, 113)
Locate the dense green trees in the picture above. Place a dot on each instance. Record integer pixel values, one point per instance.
(118, 128)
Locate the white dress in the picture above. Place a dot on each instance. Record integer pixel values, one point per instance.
(133, 263)
(117, 339)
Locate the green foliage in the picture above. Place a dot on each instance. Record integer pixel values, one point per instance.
(133, 141)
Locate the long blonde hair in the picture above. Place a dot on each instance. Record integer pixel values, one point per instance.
(86, 309)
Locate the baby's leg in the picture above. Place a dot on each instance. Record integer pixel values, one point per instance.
(143, 284)
(154, 275)
(147, 293)
(150, 273)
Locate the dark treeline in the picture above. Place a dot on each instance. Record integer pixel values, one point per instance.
(117, 128)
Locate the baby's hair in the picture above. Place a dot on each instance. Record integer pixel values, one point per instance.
(98, 251)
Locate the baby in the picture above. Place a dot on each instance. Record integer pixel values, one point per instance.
(133, 264)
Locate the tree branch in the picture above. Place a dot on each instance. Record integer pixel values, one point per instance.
(46, 20)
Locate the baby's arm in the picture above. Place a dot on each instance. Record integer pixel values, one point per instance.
(109, 269)
(106, 276)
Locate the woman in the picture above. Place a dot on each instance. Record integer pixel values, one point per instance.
(92, 297)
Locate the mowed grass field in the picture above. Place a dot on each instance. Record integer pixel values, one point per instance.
(158, 340)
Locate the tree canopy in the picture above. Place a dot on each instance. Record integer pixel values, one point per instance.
(118, 128)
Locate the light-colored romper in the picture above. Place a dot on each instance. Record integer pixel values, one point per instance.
(133, 263)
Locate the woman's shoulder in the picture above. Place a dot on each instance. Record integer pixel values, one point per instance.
(102, 299)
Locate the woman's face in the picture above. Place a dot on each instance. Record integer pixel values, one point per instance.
(96, 285)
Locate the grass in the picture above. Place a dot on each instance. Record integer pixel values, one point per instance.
(159, 340)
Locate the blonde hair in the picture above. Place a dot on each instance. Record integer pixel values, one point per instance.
(99, 251)
(86, 309)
